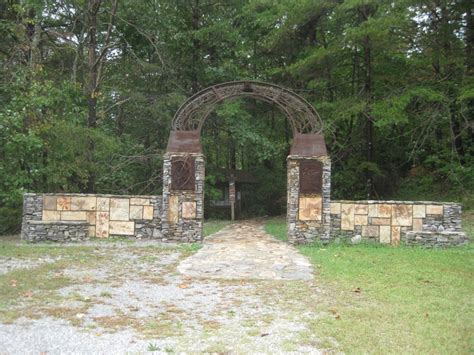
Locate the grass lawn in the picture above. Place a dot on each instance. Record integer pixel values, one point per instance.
(381, 299)
(214, 225)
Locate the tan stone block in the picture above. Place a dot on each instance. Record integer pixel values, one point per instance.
(384, 210)
(147, 212)
(49, 203)
(121, 228)
(370, 231)
(103, 203)
(83, 203)
(380, 221)
(189, 210)
(395, 235)
(385, 232)
(310, 209)
(173, 209)
(136, 212)
(361, 209)
(91, 231)
(360, 220)
(91, 217)
(419, 211)
(434, 209)
(119, 209)
(335, 208)
(73, 216)
(417, 224)
(51, 215)
(402, 215)
(372, 210)
(140, 201)
(63, 203)
(347, 216)
(102, 224)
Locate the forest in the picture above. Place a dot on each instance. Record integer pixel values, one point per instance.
(88, 89)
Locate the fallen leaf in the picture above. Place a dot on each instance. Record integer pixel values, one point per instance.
(88, 279)
(357, 290)
(333, 311)
(80, 315)
(264, 334)
(338, 317)
(183, 286)
(13, 283)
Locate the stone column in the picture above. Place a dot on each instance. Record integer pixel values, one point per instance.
(308, 213)
(183, 208)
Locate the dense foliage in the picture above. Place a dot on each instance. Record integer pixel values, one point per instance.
(88, 89)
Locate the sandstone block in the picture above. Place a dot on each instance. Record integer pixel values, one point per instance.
(361, 209)
(370, 231)
(417, 224)
(121, 228)
(189, 210)
(310, 208)
(136, 212)
(51, 215)
(419, 211)
(102, 224)
(380, 221)
(385, 232)
(395, 235)
(63, 203)
(49, 203)
(140, 201)
(434, 209)
(147, 212)
(119, 209)
(384, 210)
(83, 203)
(347, 216)
(173, 209)
(335, 208)
(402, 215)
(91, 217)
(372, 210)
(103, 203)
(360, 220)
(73, 216)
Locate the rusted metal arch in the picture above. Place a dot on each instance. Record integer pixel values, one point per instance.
(300, 113)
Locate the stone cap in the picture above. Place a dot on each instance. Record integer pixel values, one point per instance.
(184, 142)
(89, 195)
(308, 145)
(65, 223)
(373, 202)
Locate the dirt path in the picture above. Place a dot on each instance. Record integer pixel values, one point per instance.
(244, 250)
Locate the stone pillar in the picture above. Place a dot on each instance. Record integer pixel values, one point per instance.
(183, 197)
(309, 206)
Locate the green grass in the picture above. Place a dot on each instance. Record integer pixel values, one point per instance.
(214, 225)
(277, 227)
(382, 299)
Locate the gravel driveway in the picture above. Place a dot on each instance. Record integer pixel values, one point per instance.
(130, 297)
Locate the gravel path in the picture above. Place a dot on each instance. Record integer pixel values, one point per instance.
(245, 251)
(131, 298)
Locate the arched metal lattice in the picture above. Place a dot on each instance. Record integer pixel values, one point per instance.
(301, 115)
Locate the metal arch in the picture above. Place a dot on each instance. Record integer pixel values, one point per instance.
(194, 111)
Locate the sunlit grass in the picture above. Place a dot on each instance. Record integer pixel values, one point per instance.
(379, 299)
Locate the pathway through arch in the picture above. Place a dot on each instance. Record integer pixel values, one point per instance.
(243, 250)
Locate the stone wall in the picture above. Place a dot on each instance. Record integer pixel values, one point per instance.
(183, 210)
(308, 215)
(391, 221)
(64, 217)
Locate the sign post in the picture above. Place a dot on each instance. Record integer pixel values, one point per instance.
(232, 197)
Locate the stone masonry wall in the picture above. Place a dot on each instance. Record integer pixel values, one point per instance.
(308, 216)
(64, 217)
(183, 211)
(391, 221)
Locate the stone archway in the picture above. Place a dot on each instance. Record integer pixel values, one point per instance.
(309, 167)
